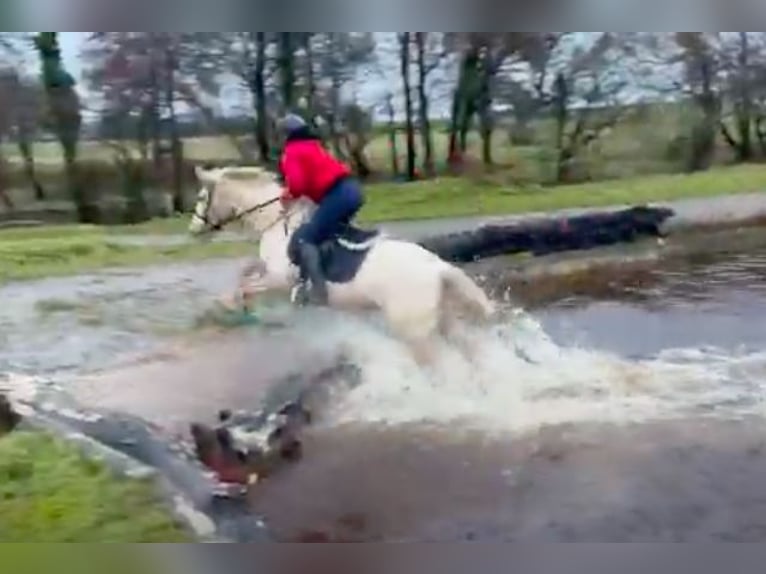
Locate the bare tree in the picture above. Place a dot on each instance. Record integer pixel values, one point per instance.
(286, 48)
(578, 84)
(338, 57)
(405, 45)
(430, 55)
(64, 105)
(742, 69)
(700, 82)
(21, 100)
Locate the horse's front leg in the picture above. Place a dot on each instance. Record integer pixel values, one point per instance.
(251, 275)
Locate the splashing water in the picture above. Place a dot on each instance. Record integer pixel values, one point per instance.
(521, 380)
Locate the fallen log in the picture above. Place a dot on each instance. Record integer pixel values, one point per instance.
(544, 235)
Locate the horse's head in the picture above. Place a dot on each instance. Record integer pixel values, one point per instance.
(230, 194)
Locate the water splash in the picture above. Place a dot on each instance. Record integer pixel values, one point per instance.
(522, 380)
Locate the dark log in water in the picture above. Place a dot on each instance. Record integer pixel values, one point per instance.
(550, 235)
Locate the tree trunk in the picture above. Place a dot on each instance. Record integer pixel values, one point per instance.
(334, 117)
(286, 65)
(404, 48)
(310, 78)
(452, 155)
(176, 147)
(425, 123)
(561, 107)
(27, 153)
(485, 109)
(258, 89)
(703, 136)
(153, 118)
(65, 111)
(470, 92)
(741, 142)
(4, 197)
(745, 107)
(392, 143)
(143, 134)
(760, 132)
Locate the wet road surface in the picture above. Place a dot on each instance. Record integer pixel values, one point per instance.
(698, 480)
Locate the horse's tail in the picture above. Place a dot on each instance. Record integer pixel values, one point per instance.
(467, 292)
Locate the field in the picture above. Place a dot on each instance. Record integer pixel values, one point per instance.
(641, 144)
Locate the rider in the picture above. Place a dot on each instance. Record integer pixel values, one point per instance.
(310, 171)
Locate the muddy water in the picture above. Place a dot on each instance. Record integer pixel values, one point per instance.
(629, 408)
(693, 303)
(640, 419)
(90, 322)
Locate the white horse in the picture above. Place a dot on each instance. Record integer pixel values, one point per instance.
(420, 295)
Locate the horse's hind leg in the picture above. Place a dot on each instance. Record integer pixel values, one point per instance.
(418, 328)
(454, 330)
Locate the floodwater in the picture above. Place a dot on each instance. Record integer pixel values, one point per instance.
(627, 409)
(641, 421)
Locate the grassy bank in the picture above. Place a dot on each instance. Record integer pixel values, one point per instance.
(49, 493)
(52, 251)
(456, 197)
(461, 197)
(62, 250)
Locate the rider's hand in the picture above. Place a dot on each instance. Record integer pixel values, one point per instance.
(285, 200)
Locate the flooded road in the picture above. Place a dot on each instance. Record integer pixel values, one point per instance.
(694, 303)
(629, 408)
(72, 325)
(641, 420)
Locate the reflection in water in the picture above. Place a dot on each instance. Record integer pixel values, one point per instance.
(693, 303)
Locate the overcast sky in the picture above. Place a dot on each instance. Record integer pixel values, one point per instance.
(369, 89)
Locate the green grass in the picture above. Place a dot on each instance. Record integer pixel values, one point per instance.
(457, 197)
(69, 249)
(454, 197)
(46, 252)
(50, 493)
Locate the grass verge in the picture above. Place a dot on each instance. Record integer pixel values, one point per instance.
(47, 252)
(50, 493)
(456, 197)
(62, 250)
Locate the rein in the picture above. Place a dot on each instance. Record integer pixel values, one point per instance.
(232, 218)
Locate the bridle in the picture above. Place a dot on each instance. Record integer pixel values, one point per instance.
(219, 225)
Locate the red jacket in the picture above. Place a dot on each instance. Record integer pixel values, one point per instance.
(309, 170)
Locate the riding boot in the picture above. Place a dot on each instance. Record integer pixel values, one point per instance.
(312, 267)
